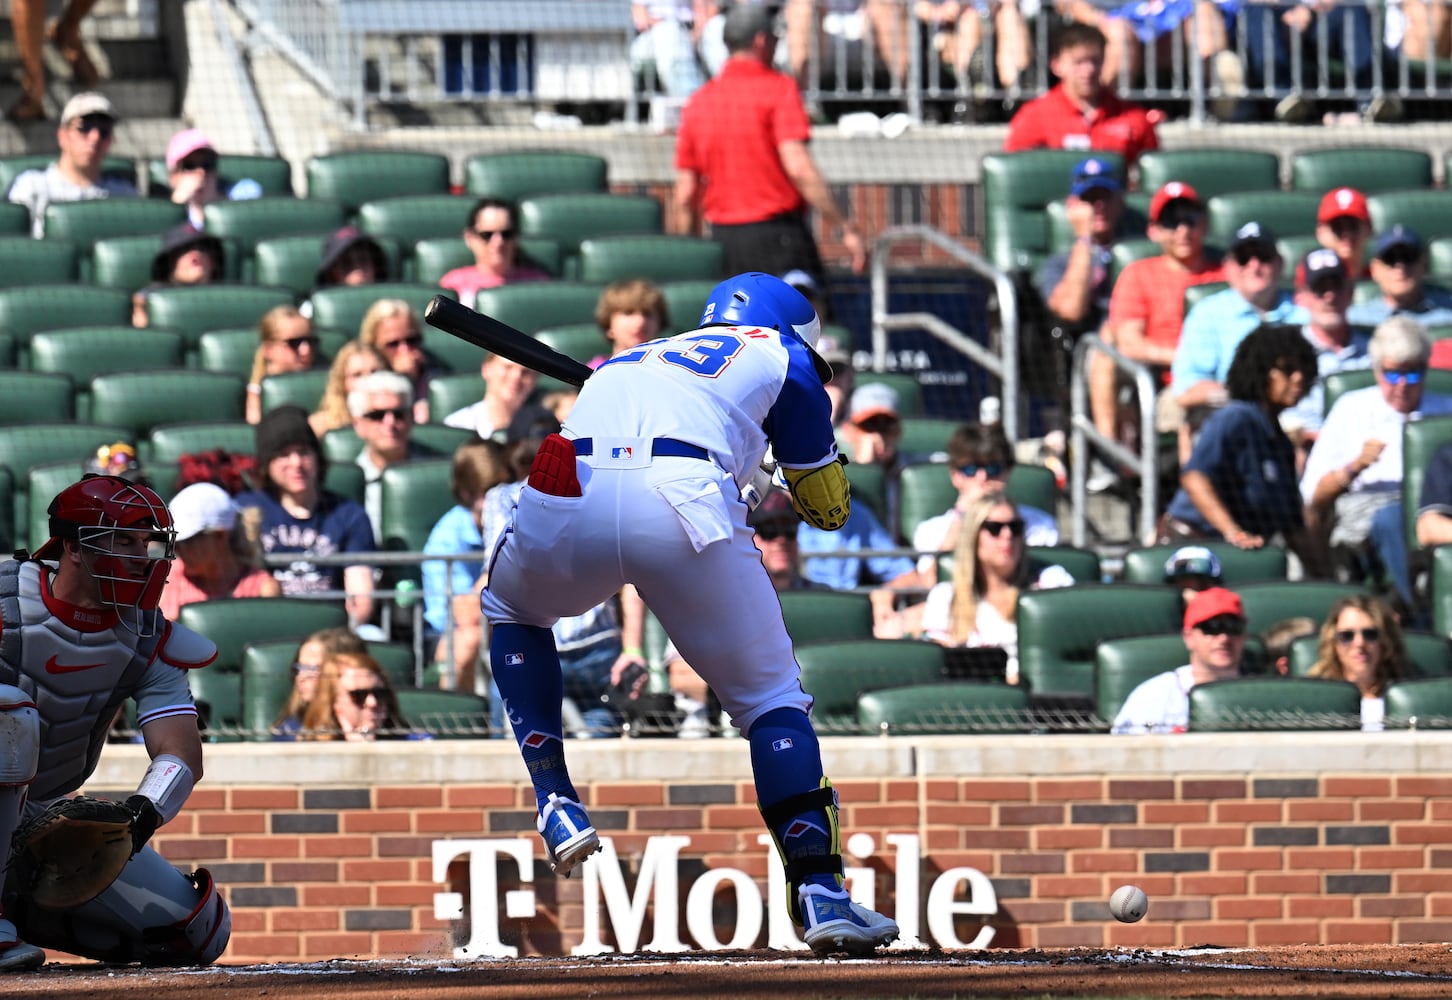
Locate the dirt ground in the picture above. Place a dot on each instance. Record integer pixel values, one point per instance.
(1409, 971)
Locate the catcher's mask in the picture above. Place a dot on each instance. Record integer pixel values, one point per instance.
(126, 539)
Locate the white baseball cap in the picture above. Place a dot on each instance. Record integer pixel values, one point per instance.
(202, 507)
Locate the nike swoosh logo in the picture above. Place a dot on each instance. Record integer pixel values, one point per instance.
(52, 667)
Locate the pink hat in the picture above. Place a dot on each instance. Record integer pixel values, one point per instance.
(184, 144)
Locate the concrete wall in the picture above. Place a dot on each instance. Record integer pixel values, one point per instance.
(326, 851)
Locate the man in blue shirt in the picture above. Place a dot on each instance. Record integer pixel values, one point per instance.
(1075, 283)
(1399, 268)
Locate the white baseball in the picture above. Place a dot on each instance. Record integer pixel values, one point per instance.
(1128, 904)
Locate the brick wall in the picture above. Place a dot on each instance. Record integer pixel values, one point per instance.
(1245, 840)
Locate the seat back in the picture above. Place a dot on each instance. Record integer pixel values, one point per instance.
(1420, 441)
(1441, 588)
(655, 258)
(169, 442)
(926, 490)
(342, 307)
(267, 681)
(227, 351)
(26, 261)
(272, 174)
(1016, 189)
(1059, 630)
(192, 310)
(1121, 665)
(247, 222)
(926, 438)
(539, 304)
(1210, 170)
(233, 622)
(1278, 703)
(1420, 704)
(447, 715)
(218, 696)
(1428, 655)
(909, 390)
(835, 673)
(448, 393)
(303, 389)
(515, 175)
(85, 352)
(1237, 566)
(124, 261)
(85, 222)
(27, 309)
(1369, 169)
(949, 707)
(28, 396)
(410, 218)
(819, 615)
(686, 300)
(570, 218)
(582, 341)
(14, 218)
(1285, 213)
(1269, 602)
(415, 495)
(1427, 211)
(869, 486)
(1082, 564)
(355, 177)
(24, 446)
(142, 400)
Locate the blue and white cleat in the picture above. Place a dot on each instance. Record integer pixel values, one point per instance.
(834, 923)
(569, 838)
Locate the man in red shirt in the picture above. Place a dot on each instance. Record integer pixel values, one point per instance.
(1147, 308)
(1080, 112)
(742, 162)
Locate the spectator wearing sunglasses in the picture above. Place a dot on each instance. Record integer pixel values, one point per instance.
(88, 125)
(492, 236)
(381, 406)
(187, 256)
(392, 328)
(192, 166)
(1214, 634)
(356, 703)
(1215, 326)
(1361, 642)
(979, 462)
(1343, 224)
(316, 650)
(1352, 484)
(286, 343)
(1399, 268)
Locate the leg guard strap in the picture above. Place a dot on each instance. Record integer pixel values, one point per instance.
(818, 798)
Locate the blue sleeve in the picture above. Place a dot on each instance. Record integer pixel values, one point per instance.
(799, 423)
(1195, 358)
(1208, 455)
(357, 533)
(882, 568)
(1437, 485)
(1051, 272)
(434, 572)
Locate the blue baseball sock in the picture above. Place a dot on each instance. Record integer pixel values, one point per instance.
(786, 759)
(527, 671)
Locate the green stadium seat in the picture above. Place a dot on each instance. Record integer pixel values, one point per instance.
(272, 173)
(686, 300)
(1420, 704)
(169, 442)
(141, 400)
(398, 662)
(443, 440)
(227, 351)
(869, 486)
(292, 262)
(26, 261)
(1121, 665)
(345, 479)
(354, 178)
(124, 261)
(434, 258)
(1126, 252)
(1439, 256)
(1285, 213)
(952, 707)
(1195, 294)
(1365, 291)
(1428, 655)
(837, 672)
(1441, 588)
(515, 175)
(655, 258)
(540, 304)
(1060, 630)
(85, 352)
(1272, 601)
(28, 309)
(819, 615)
(448, 393)
(8, 539)
(1369, 169)
(266, 683)
(233, 622)
(341, 445)
(28, 396)
(14, 219)
(1274, 703)
(1339, 383)
(192, 310)
(218, 697)
(1293, 250)
(247, 222)
(42, 482)
(926, 437)
(582, 341)
(1420, 441)
(12, 167)
(1429, 212)
(342, 307)
(1082, 564)
(1237, 566)
(1210, 170)
(85, 222)
(909, 390)
(448, 715)
(925, 490)
(303, 389)
(415, 495)
(1133, 222)
(1016, 189)
(7, 350)
(24, 447)
(410, 218)
(572, 218)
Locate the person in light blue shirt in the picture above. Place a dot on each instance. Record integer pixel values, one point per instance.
(1215, 326)
(1399, 268)
(862, 533)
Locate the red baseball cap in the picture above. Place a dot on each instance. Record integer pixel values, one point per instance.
(1341, 202)
(1210, 604)
(1173, 191)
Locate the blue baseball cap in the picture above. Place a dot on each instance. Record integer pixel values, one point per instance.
(1094, 173)
(1398, 236)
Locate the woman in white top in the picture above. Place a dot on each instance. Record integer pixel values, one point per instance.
(1361, 642)
(990, 567)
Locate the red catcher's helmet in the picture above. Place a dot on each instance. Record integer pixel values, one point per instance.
(126, 530)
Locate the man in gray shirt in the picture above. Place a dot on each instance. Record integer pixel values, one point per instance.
(88, 125)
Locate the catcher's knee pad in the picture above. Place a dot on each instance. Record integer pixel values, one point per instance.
(19, 737)
(800, 825)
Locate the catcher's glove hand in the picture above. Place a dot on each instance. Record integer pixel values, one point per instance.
(72, 852)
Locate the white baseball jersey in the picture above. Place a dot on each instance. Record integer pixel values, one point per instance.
(671, 522)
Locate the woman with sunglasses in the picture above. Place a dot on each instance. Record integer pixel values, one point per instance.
(316, 650)
(391, 327)
(353, 360)
(286, 343)
(1361, 642)
(355, 702)
(979, 606)
(492, 236)
(1240, 482)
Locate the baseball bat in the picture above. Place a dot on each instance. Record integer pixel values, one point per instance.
(499, 337)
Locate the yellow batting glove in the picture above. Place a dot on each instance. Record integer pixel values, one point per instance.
(823, 496)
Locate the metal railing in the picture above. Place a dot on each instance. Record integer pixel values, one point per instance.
(1003, 363)
(1085, 440)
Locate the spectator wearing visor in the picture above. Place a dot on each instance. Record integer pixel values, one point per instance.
(1191, 569)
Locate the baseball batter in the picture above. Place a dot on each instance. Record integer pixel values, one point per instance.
(644, 486)
(80, 634)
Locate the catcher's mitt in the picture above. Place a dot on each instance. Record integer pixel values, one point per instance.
(72, 852)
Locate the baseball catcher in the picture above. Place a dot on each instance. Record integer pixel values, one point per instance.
(80, 634)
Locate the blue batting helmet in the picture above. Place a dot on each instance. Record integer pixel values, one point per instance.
(757, 299)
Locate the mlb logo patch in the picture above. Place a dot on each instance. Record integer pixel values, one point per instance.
(536, 739)
(514, 659)
(782, 744)
(622, 452)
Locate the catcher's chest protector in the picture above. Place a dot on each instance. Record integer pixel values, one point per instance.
(77, 679)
